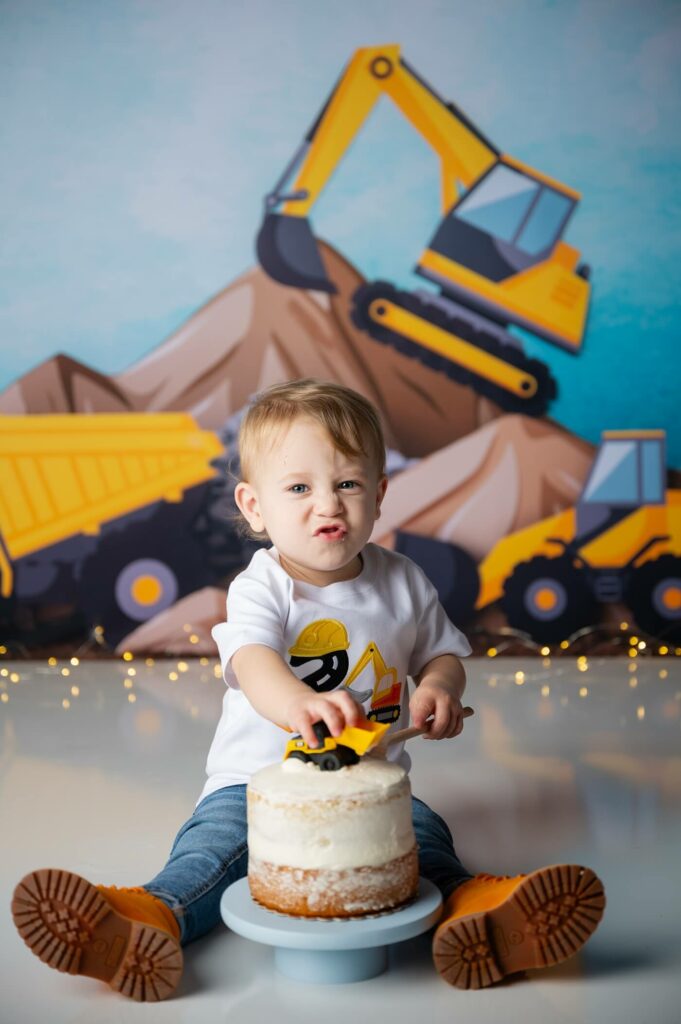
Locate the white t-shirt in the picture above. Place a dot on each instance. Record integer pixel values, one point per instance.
(367, 634)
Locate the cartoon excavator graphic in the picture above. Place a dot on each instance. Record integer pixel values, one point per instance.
(496, 259)
(387, 689)
(621, 542)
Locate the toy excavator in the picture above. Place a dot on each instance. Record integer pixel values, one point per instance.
(497, 258)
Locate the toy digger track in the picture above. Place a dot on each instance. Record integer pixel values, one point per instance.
(453, 346)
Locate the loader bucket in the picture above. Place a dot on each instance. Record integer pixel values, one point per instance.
(288, 252)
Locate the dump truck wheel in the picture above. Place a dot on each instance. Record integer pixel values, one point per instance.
(548, 598)
(654, 596)
(134, 576)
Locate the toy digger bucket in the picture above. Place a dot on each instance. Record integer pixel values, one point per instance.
(288, 252)
(364, 738)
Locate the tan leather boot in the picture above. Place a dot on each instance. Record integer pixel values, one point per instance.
(495, 925)
(126, 937)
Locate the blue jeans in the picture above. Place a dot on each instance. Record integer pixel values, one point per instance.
(210, 853)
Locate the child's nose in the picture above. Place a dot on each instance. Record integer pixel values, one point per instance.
(328, 502)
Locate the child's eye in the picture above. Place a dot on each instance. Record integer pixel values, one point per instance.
(349, 484)
(298, 488)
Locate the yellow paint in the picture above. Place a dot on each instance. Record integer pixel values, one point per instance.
(146, 590)
(545, 599)
(548, 295)
(458, 350)
(671, 598)
(371, 73)
(614, 548)
(66, 474)
(545, 179)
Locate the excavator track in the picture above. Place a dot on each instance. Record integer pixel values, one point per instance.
(379, 307)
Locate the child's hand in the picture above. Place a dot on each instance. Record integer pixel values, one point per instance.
(337, 709)
(436, 702)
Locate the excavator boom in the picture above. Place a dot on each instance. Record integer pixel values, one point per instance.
(497, 257)
(286, 247)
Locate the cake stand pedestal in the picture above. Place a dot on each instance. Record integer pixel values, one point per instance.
(334, 951)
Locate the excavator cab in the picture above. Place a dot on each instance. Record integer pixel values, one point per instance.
(497, 259)
(508, 221)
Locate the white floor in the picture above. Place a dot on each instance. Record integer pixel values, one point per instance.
(99, 780)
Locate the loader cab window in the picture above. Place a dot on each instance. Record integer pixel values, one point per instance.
(516, 209)
(627, 473)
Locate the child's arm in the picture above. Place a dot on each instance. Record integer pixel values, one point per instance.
(439, 688)
(277, 694)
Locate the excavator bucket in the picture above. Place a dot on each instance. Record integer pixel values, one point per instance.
(288, 252)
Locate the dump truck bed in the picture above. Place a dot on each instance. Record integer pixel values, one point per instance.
(66, 474)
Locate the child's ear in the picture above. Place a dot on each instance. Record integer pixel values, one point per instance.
(249, 506)
(380, 494)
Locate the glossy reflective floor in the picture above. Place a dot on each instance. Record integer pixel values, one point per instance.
(100, 768)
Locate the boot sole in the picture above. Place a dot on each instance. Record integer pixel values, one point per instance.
(546, 919)
(71, 926)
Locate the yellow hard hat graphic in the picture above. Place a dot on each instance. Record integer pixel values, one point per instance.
(319, 638)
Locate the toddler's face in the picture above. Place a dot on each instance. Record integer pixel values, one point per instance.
(317, 505)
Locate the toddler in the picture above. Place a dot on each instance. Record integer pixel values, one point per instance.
(313, 619)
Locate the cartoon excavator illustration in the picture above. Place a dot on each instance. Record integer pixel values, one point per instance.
(324, 644)
(496, 259)
(621, 542)
(387, 689)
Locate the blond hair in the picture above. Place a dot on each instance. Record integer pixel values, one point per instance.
(350, 420)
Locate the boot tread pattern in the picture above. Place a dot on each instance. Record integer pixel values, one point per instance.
(561, 906)
(547, 918)
(71, 926)
(152, 967)
(56, 913)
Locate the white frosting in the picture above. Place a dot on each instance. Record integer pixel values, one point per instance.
(302, 817)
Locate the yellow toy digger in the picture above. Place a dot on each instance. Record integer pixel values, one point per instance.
(496, 259)
(622, 542)
(334, 752)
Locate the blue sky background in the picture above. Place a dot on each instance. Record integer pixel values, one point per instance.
(139, 138)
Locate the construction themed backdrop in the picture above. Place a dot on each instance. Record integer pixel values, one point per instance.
(469, 215)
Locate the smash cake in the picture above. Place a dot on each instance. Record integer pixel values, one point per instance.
(331, 843)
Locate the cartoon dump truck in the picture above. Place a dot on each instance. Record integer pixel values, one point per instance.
(98, 512)
(621, 542)
(334, 752)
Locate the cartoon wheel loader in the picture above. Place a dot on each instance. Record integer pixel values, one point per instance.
(622, 542)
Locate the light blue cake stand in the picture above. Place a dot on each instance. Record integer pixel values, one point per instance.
(334, 951)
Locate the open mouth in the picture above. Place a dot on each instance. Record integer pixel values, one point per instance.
(331, 532)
